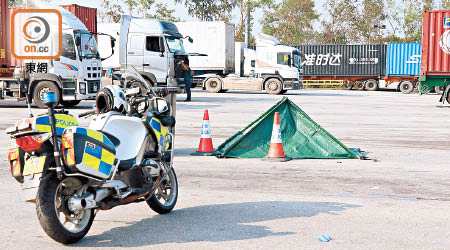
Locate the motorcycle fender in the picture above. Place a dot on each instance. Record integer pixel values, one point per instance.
(30, 187)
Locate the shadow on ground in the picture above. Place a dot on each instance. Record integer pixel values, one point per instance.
(212, 223)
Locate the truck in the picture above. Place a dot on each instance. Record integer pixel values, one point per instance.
(274, 68)
(363, 66)
(435, 66)
(74, 76)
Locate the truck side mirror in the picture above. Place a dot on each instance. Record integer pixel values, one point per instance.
(113, 42)
(289, 60)
(190, 40)
(161, 44)
(77, 41)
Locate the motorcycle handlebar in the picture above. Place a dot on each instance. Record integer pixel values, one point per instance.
(90, 112)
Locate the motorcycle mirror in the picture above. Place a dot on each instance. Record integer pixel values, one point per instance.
(160, 105)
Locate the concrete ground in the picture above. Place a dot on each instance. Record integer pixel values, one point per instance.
(397, 200)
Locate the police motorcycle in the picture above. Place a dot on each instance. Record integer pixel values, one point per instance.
(71, 173)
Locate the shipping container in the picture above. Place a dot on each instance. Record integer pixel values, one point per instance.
(403, 59)
(4, 58)
(215, 39)
(88, 16)
(12, 60)
(344, 60)
(436, 43)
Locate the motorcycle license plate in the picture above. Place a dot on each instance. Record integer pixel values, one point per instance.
(34, 165)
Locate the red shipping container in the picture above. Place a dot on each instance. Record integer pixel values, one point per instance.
(12, 60)
(4, 58)
(436, 43)
(87, 15)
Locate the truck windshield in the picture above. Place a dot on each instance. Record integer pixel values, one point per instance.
(88, 45)
(175, 45)
(297, 60)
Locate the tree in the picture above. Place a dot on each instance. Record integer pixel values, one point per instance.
(291, 21)
(445, 5)
(335, 29)
(246, 9)
(369, 22)
(163, 12)
(113, 8)
(15, 2)
(209, 10)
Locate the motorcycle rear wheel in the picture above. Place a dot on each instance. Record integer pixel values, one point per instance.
(163, 201)
(54, 217)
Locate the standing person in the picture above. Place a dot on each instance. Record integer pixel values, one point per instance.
(187, 78)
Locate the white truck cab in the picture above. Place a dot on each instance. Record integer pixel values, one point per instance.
(272, 67)
(74, 76)
(154, 48)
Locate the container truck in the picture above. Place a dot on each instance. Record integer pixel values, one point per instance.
(435, 66)
(74, 76)
(224, 66)
(363, 67)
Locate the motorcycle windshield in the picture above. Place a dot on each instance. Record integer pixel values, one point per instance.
(133, 72)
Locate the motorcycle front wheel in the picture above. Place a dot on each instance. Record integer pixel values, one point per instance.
(54, 216)
(165, 197)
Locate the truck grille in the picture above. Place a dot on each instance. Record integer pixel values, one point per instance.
(93, 87)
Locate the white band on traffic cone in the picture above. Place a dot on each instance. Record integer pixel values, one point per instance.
(206, 130)
(276, 134)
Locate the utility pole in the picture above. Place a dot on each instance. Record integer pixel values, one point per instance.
(247, 34)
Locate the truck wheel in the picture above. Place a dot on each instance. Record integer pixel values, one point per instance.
(273, 86)
(213, 85)
(371, 85)
(406, 87)
(44, 87)
(70, 104)
(439, 90)
(358, 85)
(347, 85)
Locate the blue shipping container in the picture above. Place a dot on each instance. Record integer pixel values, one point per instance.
(403, 59)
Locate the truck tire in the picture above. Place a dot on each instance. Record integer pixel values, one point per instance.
(44, 87)
(358, 85)
(371, 85)
(213, 85)
(406, 87)
(273, 86)
(347, 85)
(439, 90)
(70, 104)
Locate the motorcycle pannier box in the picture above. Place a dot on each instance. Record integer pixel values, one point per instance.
(88, 151)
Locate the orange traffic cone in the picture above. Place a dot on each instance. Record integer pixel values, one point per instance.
(276, 152)
(206, 145)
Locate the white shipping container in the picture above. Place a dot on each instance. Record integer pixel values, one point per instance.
(216, 39)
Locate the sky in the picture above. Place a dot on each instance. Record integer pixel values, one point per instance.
(181, 12)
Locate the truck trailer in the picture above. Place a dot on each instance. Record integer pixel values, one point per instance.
(363, 67)
(435, 66)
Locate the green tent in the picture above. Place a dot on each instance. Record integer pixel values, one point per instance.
(302, 137)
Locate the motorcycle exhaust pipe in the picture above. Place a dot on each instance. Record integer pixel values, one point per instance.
(88, 201)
